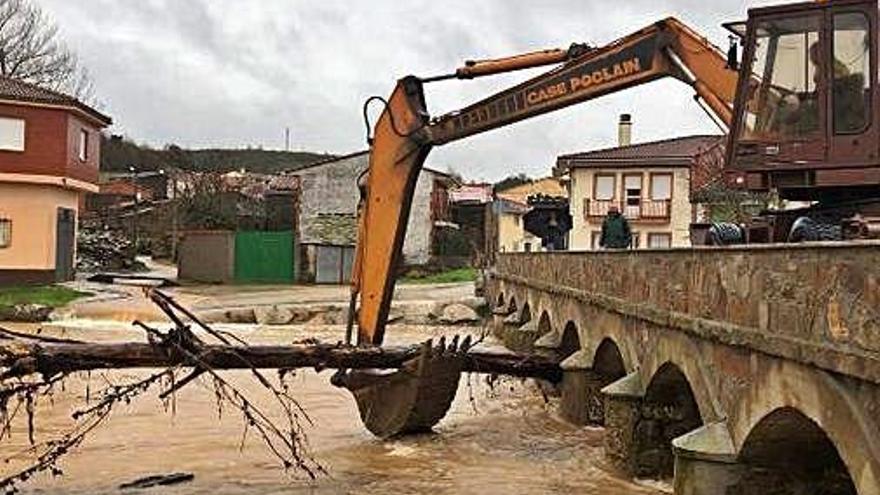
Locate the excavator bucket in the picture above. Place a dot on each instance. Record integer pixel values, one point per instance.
(412, 399)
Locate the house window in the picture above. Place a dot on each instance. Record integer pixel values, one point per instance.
(83, 145)
(632, 195)
(852, 72)
(5, 232)
(636, 240)
(661, 187)
(527, 247)
(658, 240)
(11, 134)
(604, 187)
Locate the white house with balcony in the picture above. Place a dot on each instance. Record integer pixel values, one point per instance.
(648, 182)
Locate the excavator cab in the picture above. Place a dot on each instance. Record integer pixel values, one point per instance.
(805, 117)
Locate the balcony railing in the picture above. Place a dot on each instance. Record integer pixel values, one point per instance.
(647, 209)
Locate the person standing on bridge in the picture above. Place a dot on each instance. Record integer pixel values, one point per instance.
(616, 233)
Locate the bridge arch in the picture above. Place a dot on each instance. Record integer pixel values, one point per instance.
(544, 324)
(499, 301)
(570, 342)
(607, 367)
(512, 306)
(608, 360)
(668, 411)
(786, 450)
(682, 352)
(525, 314)
(820, 399)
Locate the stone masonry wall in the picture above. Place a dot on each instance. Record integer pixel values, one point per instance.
(329, 203)
(812, 303)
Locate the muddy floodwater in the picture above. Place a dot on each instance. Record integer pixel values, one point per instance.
(503, 439)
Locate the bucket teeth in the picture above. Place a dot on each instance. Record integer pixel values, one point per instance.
(466, 344)
(414, 398)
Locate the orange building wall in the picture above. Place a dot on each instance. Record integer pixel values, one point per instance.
(33, 211)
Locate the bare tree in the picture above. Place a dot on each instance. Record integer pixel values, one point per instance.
(32, 50)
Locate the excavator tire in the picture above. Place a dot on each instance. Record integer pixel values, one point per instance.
(806, 229)
(725, 234)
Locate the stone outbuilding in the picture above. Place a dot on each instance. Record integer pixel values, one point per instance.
(328, 216)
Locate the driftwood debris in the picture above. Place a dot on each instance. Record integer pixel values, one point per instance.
(26, 357)
(158, 480)
(22, 355)
(398, 389)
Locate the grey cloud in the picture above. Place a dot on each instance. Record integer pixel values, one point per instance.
(233, 73)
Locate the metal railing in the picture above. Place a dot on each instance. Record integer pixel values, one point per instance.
(646, 209)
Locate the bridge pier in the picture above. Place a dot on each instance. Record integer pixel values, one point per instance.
(580, 390)
(499, 317)
(623, 408)
(582, 402)
(706, 462)
(522, 338)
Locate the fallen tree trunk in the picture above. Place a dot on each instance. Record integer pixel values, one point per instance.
(23, 357)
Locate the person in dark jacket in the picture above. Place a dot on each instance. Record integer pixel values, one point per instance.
(616, 233)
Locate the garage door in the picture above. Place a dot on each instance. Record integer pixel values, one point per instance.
(334, 264)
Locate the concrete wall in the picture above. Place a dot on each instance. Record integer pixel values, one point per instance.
(582, 184)
(329, 204)
(33, 209)
(207, 256)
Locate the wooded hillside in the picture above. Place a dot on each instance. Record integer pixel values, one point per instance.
(118, 153)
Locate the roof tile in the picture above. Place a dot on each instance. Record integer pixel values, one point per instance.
(16, 90)
(684, 148)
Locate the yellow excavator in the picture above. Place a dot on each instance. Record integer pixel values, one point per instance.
(798, 109)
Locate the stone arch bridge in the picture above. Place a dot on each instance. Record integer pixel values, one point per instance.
(732, 370)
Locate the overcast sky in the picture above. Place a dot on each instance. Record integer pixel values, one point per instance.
(233, 73)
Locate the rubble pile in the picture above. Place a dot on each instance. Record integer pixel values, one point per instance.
(104, 250)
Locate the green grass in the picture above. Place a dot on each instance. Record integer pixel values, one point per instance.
(447, 277)
(44, 295)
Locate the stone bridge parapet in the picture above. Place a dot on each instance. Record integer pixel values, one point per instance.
(818, 304)
(733, 358)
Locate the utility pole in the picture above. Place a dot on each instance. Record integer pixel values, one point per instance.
(134, 218)
(287, 139)
(174, 225)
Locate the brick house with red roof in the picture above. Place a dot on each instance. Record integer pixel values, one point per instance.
(650, 183)
(49, 156)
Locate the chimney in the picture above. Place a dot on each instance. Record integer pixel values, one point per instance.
(624, 130)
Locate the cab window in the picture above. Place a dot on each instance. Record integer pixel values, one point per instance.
(852, 72)
(782, 95)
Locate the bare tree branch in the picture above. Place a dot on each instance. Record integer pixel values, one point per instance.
(31, 50)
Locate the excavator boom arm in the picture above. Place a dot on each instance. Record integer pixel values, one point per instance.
(666, 48)
(404, 134)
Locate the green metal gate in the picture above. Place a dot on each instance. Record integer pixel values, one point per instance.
(264, 257)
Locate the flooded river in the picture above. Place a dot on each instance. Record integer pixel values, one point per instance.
(503, 439)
